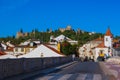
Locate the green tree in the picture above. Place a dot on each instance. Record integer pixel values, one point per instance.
(21, 30)
(65, 48)
(68, 49)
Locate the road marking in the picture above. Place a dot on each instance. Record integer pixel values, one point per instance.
(56, 77)
(97, 77)
(81, 77)
(44, 78)
(65, 77)
(73, 76)
(77, 76)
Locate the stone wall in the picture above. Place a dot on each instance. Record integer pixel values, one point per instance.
(116, 52)
(11, 67)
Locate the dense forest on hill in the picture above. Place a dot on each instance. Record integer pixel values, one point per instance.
(81, 37)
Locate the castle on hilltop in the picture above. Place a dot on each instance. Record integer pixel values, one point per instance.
(68, 28)
(64, 29)
(21, 34)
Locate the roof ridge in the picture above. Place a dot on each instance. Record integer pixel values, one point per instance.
(53, 49)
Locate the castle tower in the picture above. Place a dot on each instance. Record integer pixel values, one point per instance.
(68, 27)
(19, 34)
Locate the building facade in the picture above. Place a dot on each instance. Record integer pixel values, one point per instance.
(101, 44)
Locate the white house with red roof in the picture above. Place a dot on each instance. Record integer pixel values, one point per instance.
(24, 49)
(104, 44)
(42, 51)
(90, 46)
(62, 38)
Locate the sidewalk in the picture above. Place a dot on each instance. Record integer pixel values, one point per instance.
(42, 72)
(114, 69)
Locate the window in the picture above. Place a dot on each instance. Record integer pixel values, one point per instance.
(106, 39)
(31, 44)
(22, 49)
(101, 51)
(16, 49)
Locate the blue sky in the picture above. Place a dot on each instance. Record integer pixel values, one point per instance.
(88, 15)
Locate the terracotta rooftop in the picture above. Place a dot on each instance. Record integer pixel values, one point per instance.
(108, 33)
(115, 40)
(2, 53)
(54, 49)
(101, 45)
(99, 39)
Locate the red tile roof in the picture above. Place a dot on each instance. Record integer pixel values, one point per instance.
(108, 33)
(99, 39)
(115, 40)
(101, 45)
(53, 49)
(2, 53)
(25, 46)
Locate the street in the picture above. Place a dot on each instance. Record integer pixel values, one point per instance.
(77, 71)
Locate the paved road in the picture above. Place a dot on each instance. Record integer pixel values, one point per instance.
(77, 71)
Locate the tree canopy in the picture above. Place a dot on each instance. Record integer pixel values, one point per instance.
(45, 36)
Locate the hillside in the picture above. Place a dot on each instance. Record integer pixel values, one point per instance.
(79, 35)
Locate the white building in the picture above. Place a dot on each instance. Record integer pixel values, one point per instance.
(90, 46)
(107, 44)
(104, 44)
(42, 51)
(9, 44)
(24, 49)
(29, 41)
(62, 38)
(7, 56)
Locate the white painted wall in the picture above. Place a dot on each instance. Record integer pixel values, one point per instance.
(4, 46)
(42, 49)
(7, 56)
(88, 46)
(109, 42)
(97, 51)
(19, 51)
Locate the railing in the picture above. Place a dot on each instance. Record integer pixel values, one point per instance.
(116, 51)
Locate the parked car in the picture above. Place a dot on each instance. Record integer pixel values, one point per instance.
(100, 58)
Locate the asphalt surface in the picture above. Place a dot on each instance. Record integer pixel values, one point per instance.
(76, 71)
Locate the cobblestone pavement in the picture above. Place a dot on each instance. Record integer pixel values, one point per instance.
(114, 69)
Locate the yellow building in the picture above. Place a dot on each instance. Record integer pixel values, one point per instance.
(58, 46)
